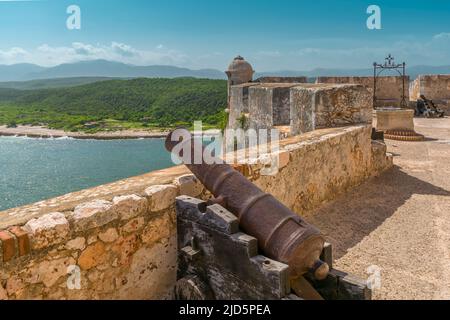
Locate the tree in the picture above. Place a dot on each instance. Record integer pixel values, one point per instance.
(11, 124)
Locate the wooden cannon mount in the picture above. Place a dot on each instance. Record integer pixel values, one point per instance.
(218, 261)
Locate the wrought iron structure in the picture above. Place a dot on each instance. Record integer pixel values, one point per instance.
(389, 64)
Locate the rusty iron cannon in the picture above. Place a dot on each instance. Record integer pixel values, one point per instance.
(282, 235)
(427, 108)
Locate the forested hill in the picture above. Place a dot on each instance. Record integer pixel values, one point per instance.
(150, 102)
(51, 83)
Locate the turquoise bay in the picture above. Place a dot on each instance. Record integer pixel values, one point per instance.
(32, 170)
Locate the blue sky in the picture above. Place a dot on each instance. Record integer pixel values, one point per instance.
(272, 34)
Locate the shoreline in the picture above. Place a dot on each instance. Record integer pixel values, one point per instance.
(46, 133)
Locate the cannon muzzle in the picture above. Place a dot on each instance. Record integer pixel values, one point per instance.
(282, 235)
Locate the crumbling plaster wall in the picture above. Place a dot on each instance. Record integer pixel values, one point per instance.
(122, 236)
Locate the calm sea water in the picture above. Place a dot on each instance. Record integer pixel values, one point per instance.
(36, 169)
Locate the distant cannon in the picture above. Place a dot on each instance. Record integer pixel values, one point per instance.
(282, 235)
(428, 109)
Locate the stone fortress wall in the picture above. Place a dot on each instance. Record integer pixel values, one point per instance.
(282, 80)
(275, 101)
(301, 107)
(434, 87)
(389, 88)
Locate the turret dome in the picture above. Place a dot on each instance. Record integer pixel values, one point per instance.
(240, 71)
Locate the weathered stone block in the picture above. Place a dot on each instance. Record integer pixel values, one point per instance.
(260, 108)
(109, 235)
(134, 225)
(125, 247)
(157, 229)
(161, 196)
(14, 285)
(189, 185)
(92, 239)
(269, 105)
(389, 88)
(380, 159)
(152, 273)
(281, 106)
(391, 119)
(49, 272)
(130, 206)
(284, 157)
(326, 106)
(93, 215)
(238, 103)
(48, 230)
(76, 244)
(302, 111)
(93, 256)
(23, 241)
(8, 244)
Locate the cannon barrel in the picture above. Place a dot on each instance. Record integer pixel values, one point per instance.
(282, 235)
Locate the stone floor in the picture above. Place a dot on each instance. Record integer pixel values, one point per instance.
(399, 221)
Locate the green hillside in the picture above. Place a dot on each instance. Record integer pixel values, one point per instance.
(116, 104)
(51, 83)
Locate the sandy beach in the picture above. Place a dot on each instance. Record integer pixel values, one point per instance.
(43, 132)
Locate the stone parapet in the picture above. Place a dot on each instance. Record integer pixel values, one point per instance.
(282, 79)
(269, 105)
(297, 108)
(238, 103)
(389, 88)
(325, 106)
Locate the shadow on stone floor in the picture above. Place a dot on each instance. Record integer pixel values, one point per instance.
(428, 139)
(350, 218)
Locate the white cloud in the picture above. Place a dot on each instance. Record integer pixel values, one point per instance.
(271, 54)
(443, 35)
(15, 53)
(324, 53)
(48, 55)
(124, 49)
(89, 50)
